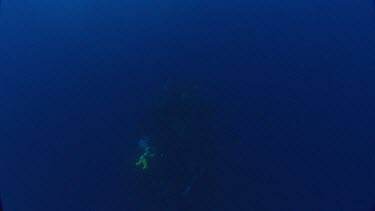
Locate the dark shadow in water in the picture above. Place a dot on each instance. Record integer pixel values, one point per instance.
(182, 176)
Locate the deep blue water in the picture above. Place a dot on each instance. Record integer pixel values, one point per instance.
(277, 96)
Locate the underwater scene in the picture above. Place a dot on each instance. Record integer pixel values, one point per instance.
(187, 105)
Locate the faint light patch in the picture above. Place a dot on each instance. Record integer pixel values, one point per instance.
(144, 142)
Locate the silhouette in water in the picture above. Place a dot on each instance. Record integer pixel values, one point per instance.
(180, 176)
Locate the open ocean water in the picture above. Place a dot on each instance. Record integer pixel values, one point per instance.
(244, 105)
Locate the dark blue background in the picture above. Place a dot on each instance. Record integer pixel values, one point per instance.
(293, 82)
